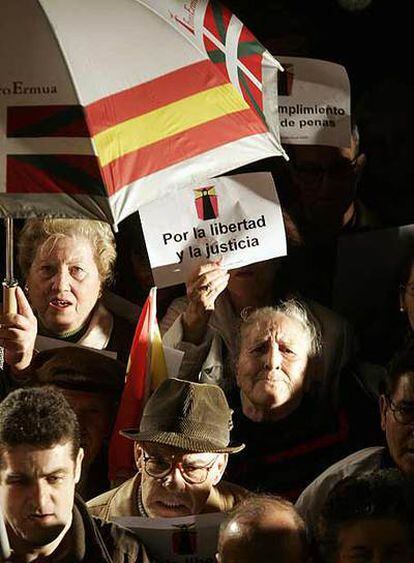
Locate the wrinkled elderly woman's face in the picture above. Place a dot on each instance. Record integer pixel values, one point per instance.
(64, 283)
(273, 361)
(407, 297)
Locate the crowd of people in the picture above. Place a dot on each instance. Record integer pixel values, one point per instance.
(286, 417)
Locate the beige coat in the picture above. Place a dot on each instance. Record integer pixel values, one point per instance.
(123, 501)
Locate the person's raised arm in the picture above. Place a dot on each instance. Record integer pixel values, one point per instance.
(203, 287)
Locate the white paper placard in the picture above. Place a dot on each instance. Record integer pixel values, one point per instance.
(187, 539)
(237, 219)
(314, 103)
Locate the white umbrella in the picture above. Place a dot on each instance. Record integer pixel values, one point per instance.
(108, 104)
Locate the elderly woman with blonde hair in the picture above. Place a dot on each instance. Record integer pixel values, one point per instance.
(65, 264)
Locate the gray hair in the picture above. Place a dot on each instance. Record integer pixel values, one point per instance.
(37, 232)
(293, 309)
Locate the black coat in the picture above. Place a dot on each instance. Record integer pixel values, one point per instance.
(96, 541)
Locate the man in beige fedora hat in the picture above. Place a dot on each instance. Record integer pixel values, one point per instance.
(181, 452)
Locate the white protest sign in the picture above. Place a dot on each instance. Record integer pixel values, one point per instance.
(186, 539)
(314, 103)
(235, 218)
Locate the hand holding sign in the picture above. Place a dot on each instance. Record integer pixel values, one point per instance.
(203, 287)
(18, 333)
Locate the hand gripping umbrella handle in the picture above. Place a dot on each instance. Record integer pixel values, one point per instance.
(9, 298)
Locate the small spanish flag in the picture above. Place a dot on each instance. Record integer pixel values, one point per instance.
(146, 370)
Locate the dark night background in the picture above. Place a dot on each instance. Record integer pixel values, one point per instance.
(374, 44)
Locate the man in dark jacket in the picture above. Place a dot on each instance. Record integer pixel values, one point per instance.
(40, 464)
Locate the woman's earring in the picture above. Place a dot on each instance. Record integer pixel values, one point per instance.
(402, 310)
(26, 289)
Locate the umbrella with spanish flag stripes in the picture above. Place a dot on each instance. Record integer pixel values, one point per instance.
(107, 104)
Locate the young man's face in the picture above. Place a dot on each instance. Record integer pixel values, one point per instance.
(37, 492)
(173, 495)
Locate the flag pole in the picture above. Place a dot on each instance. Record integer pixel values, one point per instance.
(9, 283)
(151, 326)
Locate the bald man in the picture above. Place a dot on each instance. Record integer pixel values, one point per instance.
(263, 528)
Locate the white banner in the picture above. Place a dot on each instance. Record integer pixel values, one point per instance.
(186, 539)
(314, 103)
(237, 219)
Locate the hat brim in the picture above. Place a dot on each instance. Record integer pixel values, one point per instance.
(179, 441)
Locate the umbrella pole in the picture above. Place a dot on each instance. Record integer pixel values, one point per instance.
(9, 283)
(9, 306)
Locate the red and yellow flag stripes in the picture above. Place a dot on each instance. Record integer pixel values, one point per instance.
(146, 370)
(166, 121)
(133, 130)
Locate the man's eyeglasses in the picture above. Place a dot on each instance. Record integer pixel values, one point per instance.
(159, 468)
(403, 412)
